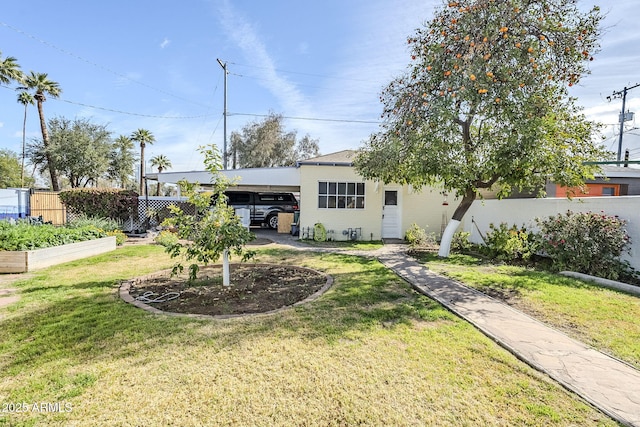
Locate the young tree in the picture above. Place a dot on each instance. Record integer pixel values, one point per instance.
(121, 161)
(79, 149)
(40, 83)
(162, 162)
(485, 103)
(267, 144)
(212, 231)
(142, 137)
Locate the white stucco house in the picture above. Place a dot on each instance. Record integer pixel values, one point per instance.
(334, 194)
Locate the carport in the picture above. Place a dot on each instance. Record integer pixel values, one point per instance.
(284, 179)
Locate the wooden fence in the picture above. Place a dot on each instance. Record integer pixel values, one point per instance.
(48, 205)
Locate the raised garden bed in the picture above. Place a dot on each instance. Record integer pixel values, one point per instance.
(23, 261)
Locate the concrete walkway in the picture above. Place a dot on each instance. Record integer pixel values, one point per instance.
(607, 383)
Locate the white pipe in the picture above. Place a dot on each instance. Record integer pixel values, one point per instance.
(447, 236)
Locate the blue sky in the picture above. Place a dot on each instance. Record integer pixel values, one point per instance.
(153, 65)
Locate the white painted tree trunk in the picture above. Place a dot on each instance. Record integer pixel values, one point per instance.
(447, 236)
(225, 268)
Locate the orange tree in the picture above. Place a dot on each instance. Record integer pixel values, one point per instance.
(484, 102)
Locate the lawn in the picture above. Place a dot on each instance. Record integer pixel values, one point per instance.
(368, 352)
(607, 320)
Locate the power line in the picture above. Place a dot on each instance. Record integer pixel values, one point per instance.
(109, 70)
(133, 114)
(316, 119)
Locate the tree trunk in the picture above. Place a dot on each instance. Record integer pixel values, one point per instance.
(449, 231)
(225, 268)
(160, 169)
(45, 141)
(142, 169)
(24, 136)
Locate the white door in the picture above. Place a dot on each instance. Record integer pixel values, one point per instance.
(391, 214)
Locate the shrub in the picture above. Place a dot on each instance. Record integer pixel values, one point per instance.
(121, 238)
(101, 202)
(106, 224)
(589, 243)
(509, 243)
(460, 242)
(418, 237)
(166, 238)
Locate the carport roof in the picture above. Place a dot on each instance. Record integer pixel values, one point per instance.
(255, 179)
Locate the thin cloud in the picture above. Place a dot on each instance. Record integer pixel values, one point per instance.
(165, 43)
(246, 37)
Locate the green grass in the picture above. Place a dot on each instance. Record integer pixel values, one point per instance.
(370, 351)
(605, 319)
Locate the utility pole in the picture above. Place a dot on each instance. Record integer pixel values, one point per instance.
(224, 150)
(621, 94)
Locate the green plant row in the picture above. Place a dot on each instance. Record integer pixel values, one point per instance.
(24, 236)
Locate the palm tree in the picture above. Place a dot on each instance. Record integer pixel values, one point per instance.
(143, 137)
(162, 162)
(122, 160)
(10, 70)
(40, 83)
(26, 99)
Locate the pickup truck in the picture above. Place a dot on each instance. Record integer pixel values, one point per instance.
(264, 207)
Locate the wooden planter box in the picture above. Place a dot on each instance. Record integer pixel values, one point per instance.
(23, 261)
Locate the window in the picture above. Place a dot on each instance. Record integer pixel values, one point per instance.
(340, 195)
(238, 198)
(608, 191)
(391, 198)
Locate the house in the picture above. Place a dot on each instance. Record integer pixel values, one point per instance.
(349, 207)
(331, 193)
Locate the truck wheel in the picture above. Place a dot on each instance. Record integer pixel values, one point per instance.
(272, 221)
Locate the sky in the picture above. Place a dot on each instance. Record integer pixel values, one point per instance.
(321, 64)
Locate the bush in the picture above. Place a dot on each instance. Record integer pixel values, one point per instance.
(100, 202)
(511, 244)
(589, 243)
(106, 224)
(460, 242)
(121, 238)
(166, 238)
(418, 237)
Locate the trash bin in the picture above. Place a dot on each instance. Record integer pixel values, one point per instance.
(245, 216)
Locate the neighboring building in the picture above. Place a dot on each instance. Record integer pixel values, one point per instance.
(615, 181)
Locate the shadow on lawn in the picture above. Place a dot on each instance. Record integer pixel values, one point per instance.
(86, 320)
